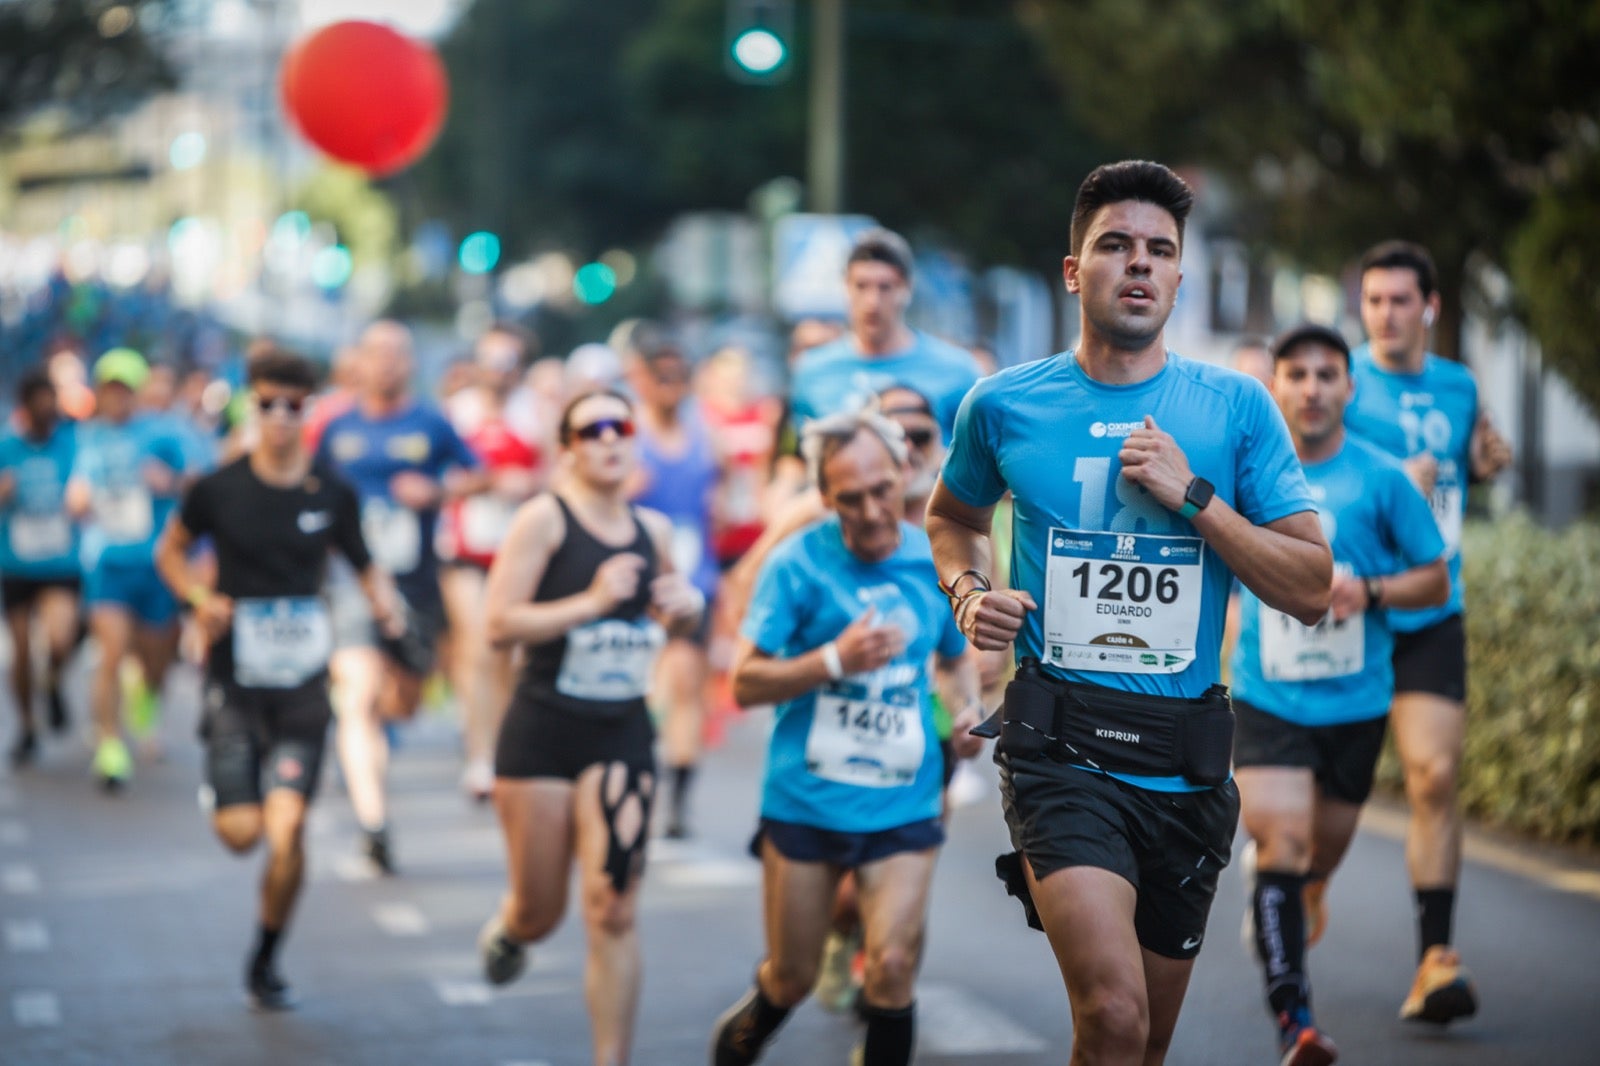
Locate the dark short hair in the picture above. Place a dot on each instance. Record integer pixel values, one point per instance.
(564, 428)
(33, 381)
(275, 366)
(1403, 255)
(922, 405)
(1310, 333)
(1134, 179)
(882, 246)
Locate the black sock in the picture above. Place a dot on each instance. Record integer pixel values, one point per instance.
(681, 777)
(1436, 910)
(266, 949)
(1281, 939)
(891, 1035)
(750, 1024)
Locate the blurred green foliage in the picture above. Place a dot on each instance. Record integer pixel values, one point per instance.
(1532, 760)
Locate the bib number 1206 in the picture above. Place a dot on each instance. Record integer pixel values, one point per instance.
(1134, 583)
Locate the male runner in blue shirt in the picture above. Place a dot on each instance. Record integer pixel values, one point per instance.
(1142, 483)
(1313, 701)
(1424, 410)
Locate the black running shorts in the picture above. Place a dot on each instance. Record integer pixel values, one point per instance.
(1171, 846)
(537, 741)
(258, 740)
(808, 843)
(21, 593)
(1342, 758)
(1433, 660)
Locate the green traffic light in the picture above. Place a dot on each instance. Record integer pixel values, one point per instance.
(759, 51)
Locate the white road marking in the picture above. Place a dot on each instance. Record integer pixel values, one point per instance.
(36, 1009)
(19, 879)
(13, 833)
(354, 868)
(713, 873)
(400, 919)
(463, 993)
(475, 992)
(951, 1022)
(27, 934)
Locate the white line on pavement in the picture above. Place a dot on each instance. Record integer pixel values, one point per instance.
(354, 868)
(400, 919)
(475, 993)
(13, 833)
(36, 1009)
(463, 993)
(27, 934)
(951, 1022)
(19, 879)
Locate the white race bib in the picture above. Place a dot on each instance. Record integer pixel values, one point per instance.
(393, 535)
(610, 660)
(124, 515)
(485, 521)
(40, 536)
(1126, 603)
(1291, 651)
(280, 643)
(867, 735)
(688, 547)
(1445, 502)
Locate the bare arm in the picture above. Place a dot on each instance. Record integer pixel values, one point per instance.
(510, 615)
(1427, 585)
(958, 687)
(674, 602)
(1286, 563)
(959, 534)
(378, 587)
(761, 678)
(213, 610)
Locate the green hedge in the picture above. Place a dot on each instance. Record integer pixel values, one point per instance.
(1532, 758)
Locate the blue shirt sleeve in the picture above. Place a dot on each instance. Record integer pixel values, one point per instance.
(971, 469)
(1412, 528)
(773, 617)
(449, 449)
(1271, 483)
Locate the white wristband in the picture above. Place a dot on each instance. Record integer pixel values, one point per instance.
(830, 659)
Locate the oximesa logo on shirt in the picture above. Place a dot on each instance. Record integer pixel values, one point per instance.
(1113, 429)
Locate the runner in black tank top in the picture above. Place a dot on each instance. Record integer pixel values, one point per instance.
(585, 583)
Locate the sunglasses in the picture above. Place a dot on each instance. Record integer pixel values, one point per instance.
(287, 404)
(622, 427)
(919, 438)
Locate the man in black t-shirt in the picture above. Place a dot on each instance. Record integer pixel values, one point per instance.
(273, 517)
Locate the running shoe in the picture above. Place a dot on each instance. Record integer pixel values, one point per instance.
(1314, 900)
(57, 709)
(113, 766)
(503, 958)
(1303, 1044)
(25, 750)
(835, 990)
(477, 780)
(267, 991)
(378, 852)
(737, 1039)
(677, 827)
(1442, 991)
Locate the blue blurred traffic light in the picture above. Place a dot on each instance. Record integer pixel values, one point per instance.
(479, 252)
(760, 41)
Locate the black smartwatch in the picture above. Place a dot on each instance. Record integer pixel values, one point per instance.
(1196, 496)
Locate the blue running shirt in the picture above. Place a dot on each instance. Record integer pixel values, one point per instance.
(1408, 414)
(1336, 672)
(1130, 597)
(40, 540)
(371, 451)
(835, 377)
(681, 487)
(861, 754)
(126, 516)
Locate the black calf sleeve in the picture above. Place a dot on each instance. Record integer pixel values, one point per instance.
(1281, 938)
(891, 1035)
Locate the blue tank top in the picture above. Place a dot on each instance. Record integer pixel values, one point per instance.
(681, 487)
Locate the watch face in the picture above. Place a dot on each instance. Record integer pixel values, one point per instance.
(1199, 492)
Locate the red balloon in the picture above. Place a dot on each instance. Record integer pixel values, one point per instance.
(365, 94)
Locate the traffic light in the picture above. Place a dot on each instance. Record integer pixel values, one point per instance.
(760, 40)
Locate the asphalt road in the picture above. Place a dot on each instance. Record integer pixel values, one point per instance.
(125, 927)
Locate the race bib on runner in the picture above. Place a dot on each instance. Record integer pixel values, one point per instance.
(1445, 502)
(40, 536)
(485, 521)
(1126, 603)
(1291, 651)
(610, 660)
(393, 535)
(866, 734)
(280, 643)
(124, 515)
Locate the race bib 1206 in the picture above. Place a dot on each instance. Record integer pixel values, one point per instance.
(1122, 602)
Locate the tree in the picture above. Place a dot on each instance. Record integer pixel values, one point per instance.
(90, 59)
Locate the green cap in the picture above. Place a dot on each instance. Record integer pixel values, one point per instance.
(123, 366)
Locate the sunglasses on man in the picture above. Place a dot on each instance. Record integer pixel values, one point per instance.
(622, 427)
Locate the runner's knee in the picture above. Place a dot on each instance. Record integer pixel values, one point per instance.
(891, 974)
(1432, 780)
(1114, 1021)
(239, 828)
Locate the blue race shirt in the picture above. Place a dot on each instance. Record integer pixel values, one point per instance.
(861, 754)
(681, 487)
(126, 516)
(39, 541)
(1378, 524)
(835, 376)
(1408, 414)
(371, 451)
(1130, 597)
